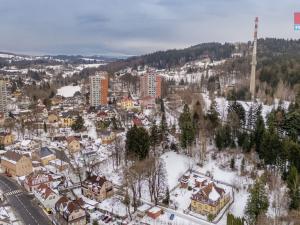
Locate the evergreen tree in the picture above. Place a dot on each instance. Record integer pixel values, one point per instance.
(212, 116)
(232, 220)
(258, 133)
(162, 106)
(137, 143)
(257, 203)
(223, 137)
(95, 222)
(243, 165)
(78, 124)
(154, 136)
(276, 120)
(166, 200)
(291, 151)
(293, 185)
(232, 163)
(292, 125)
(237, 108)
(45, 127)
(163, 127)
(271, 149)
(187, 127)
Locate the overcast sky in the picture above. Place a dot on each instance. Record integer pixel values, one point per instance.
(130, 27)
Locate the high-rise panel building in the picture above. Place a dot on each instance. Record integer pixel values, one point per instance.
(99, 89)
(3, 97)
(150, 85)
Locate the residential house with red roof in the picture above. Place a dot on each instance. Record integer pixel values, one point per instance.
(97, 188)
(69, 212)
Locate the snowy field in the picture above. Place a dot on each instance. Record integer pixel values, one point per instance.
(68, 91)
(178, 164)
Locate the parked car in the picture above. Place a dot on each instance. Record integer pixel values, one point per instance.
(172, 217)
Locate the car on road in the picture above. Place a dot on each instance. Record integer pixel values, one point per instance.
(172, 216)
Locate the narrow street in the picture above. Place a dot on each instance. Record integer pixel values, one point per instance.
(21, 203)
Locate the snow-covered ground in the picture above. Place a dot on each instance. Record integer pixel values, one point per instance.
(68, 91)
(178, 164)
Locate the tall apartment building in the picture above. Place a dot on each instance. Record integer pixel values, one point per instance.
(99, 89)
(150, 85)
(3, 97)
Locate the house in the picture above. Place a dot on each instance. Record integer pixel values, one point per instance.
(33, 180)
(107, 137)
(16, 164)
(142, 210)
(69, 212)
(44, 155)
(56, 100)
(97, 188)
(53, 118)
(46, 196)
(209, 200)
(126, 103)
(2, 118)
(58, 165)
(184, 182)
(28, 144)
(154, 212)
(148, 102)
(73, 144)
(67, 119)
(102, 116)
(6, 138)
(136, 122)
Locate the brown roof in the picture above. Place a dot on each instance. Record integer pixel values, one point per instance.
(14, 156)
(68, 205)
(39, 178)
(71, 138)
(137, 122)
(44, 190)
(203, 194)
(97, 180)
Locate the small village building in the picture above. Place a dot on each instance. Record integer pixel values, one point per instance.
(53, 118)
(97, 188)
(73, 144)
(209, 200)
(154, 212)
(33, 180)
(46, 196)
(107, 137)
(6, 138)
(69, 212)
(16, 164)
(44, 155)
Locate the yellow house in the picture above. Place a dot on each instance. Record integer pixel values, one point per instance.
(107, 137)
(209, 200)
(53, 118)
(73, 144)
(17, 93)
(16, 164)
(44, 155)
(66, 120)
(127, 103)
(6, 138)
(56, 100)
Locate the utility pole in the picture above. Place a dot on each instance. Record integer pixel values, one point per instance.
(254, 62)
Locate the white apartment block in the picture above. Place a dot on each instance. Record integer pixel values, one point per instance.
(99, 89)
(3, 97)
